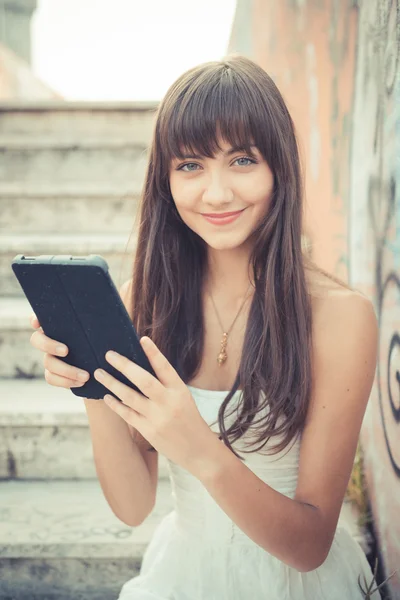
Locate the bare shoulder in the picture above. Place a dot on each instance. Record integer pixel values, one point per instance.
(344, 326)
(345, 337)
(336, 305)
(343, 314)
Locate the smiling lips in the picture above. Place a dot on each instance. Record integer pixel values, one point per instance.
(223, 218)
(226, 214)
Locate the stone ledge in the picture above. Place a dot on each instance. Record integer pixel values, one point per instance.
(38, 189)
(61, 540)
(50, 519)
(44, 431)
(35, 402)
(55, 243)
(79, 120)
(15, 314)
(82, 106)
(67, 142)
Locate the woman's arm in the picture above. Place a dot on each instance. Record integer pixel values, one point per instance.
(300, 531)
(127, 472)
(120, 465)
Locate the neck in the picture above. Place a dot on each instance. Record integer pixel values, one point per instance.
(229, 275)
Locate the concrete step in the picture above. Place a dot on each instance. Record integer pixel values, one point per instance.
(116, 248)
(42, 160)
(69, 120)
(44, 433)
(18, 358)
(60, 540)
(46, 208)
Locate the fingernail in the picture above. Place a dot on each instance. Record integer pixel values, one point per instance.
(61, 349)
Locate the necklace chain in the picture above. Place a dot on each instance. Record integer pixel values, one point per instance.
(222, 356)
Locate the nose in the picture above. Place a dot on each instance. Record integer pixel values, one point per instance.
(217, 193)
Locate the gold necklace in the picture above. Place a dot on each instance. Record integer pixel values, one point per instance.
(222, 356)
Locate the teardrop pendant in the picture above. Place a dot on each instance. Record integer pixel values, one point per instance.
(222, 356)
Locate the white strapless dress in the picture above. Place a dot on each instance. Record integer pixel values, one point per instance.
(198, 553)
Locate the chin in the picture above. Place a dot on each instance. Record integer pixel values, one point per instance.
(224, 242)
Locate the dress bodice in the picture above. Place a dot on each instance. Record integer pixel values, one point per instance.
(197, 512)
(198, 553)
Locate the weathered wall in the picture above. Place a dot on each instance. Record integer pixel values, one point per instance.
(308, 48)
(15, 26)
(374, 252)
(17, 82)
(336, 63)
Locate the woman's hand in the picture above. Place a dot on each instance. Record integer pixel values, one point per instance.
(56, 372)
(168, 418)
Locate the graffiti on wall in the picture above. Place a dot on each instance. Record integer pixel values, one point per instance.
(387, 287)
(383, 51)
(374, 244)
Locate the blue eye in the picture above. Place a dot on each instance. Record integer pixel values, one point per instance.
(240, 158)
(185, 165)
(246, 158)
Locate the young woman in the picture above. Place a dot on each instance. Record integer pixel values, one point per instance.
(264, 362)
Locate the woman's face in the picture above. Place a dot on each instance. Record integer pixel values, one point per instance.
(224, 183)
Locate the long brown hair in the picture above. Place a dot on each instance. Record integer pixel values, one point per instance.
(237, 98)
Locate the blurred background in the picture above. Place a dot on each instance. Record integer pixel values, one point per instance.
(79, 84)
(124, 50)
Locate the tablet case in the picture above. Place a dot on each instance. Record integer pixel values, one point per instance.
(77, 304)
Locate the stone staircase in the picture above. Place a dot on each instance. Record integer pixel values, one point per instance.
(70, 177)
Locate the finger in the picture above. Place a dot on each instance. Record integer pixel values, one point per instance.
(128, 396)
(58, 381)
(40, 341)
(129, 415)
(34, 321)
(165, 372)
(59, 367)
(145, 381)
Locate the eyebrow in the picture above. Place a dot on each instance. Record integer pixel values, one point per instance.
(227, 153)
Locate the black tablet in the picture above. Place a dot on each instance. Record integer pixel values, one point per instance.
(77, 304)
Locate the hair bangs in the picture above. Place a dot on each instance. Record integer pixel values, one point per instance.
(205, 115)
